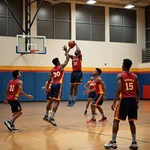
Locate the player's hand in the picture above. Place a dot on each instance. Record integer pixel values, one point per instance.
(30, 96)
(113, 106)
(6, 102)
(64, 48)
(43, 87)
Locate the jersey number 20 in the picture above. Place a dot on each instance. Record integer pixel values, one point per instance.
(129, 86)
(11, 88)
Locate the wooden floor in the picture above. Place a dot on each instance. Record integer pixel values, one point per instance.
(72, 132)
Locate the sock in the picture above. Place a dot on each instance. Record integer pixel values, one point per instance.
(93, 116)
(52, 115)
(70, 97)
(46, 113)
(133, 137)
(103, 115)
(114, 135)
(74, 98)
(11, 121)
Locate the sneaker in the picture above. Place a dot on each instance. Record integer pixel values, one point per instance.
(92, 121)
(133, 146)
(14, 128)
(69, 103)
(85, 112)
(8, 125)
(111, 145)
(103, 119)
(45, 118)
(52, 121)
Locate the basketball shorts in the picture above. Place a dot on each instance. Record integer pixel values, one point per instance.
(92, 95)
(48, 96)
(96, 98)
(76, 77)
(56, 91)
(15, 106)
(127, 107)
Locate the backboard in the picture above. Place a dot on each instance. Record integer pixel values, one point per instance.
(27, 44)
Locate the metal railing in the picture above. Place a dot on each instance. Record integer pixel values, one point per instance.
(145, 55)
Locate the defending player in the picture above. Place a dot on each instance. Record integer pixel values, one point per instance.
(47, 88)
(14, 89)
(90, 87)
(56, 77)
(76, 75)
(128, 87)
(100, 96)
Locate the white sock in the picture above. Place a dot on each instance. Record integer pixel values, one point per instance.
(74, 98)
(70, 97)
(52, 115)
(93, 116)
(46, 114)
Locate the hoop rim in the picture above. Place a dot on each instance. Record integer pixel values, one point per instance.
(34, 51)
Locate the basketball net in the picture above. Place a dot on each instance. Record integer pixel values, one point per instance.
(33, 51)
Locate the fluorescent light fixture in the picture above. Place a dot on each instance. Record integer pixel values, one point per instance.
(129, 6)
(91, 1)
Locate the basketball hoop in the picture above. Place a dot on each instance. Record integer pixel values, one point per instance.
(33, 51)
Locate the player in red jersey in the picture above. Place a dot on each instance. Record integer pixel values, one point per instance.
(14, 89)
(100, 97)
(90, 89)
(56, 78)
(47, 88)
(128, 88)
(76, 75)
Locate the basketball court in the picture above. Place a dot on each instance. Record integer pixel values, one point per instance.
(72, 132)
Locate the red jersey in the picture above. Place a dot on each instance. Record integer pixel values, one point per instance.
(76, 63)
(13, 90)
(57, 75)
(92, 85)
(99, 89)
(129, 85)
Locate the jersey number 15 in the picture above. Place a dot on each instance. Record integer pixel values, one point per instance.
(129, 86)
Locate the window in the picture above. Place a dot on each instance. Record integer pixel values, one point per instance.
(8, 26)
(90, 23)
(122, 25)
(147, 14)
(54, 21)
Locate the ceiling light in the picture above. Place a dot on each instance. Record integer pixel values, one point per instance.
(129, 6)
(91, 1)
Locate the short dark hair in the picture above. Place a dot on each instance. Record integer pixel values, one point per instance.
(91, 75)
(55, 61)
(15, 73)
(99, 71)
(127, 63)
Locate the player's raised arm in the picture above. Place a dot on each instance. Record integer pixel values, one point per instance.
(78, 51)
(67, 57)
(119, 86)
(22, 92)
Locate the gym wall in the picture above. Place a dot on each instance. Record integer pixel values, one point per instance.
(102, 48)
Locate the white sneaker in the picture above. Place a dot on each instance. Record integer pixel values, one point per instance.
(8, 125)
(133, 146)
(111, 145)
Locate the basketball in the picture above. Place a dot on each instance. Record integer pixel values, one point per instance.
(71, 44)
